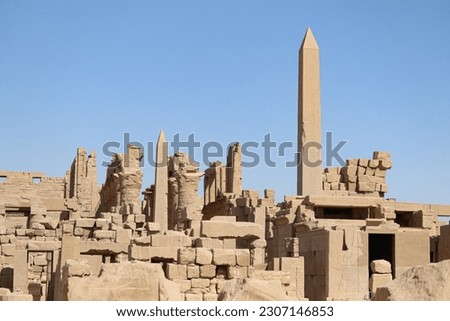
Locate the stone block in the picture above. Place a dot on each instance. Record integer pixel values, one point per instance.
(78, 231)
(186, 256)
(77, 268)
(140, 253)
(123, 236)
(203, 256)
(381, 155)
(163, 253)
(67, 229)
(224, 257)
(8, 249)
(200, 283)
(242, 257)
(85, 222)
(143, 240)
(184, 285)
(208, 271)
(193, 271)
(40, 260)
(379, 281)
(363, 162)
(193, 297)
(101, 222)
(385, 164)
(365, 187)
(176, 271)
(101, 234)
(237, 272)
(208, 243)
(159, 240)
(210, 297)
(374, 163)
(380, 267)
(228, 229)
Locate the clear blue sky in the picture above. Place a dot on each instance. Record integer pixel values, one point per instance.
(82, 73)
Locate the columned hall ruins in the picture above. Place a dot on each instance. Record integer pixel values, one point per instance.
(338, 238)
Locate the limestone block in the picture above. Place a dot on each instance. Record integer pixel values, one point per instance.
(203, 256)
(143, 240)
(365, 187)
(186, 256)
(200, 283)
(369, 171)
(78, 231)
(193, 297)
(363, 162)
(101, 222)
(252, 290)
(208, 243)
(164, 253)
(237, 272)
(67, 228)
(380, 173)
(101, 234)
(85, 222)
(2, 230)
(16, 297)
(224, 257)
(208, 271)
(159, 240)
(40, 260)
(332, 177)
(117, 218)
(127, 281)
(153, 227)
(210, 297)
(374, 163)
(184, 285)
(381, 155)
(124, 236)
(379, 281)
(380, 267)
(176, 271)
(193, 271)
(326, 186)
(334, 186)
(140, 253)
(8, 249)
(242, 257)
(224, 229)
(385, 164)
(77, 268)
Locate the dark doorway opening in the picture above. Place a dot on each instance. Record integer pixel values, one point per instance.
(381, 247)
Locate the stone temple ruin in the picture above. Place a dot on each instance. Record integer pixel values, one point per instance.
(339, 238)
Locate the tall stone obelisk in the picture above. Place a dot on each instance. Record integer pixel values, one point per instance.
(309, 170)
(160, 201)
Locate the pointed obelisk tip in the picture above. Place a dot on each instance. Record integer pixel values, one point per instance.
(162, 136)
(309, 41)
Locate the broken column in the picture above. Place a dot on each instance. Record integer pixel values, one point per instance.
(309, 170)
(234, 170)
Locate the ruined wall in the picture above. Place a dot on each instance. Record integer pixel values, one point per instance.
(15, 187)
(412, 248)
(348, 264)
(360, 177)
(122, 189)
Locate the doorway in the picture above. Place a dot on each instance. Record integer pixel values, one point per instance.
(381, 247)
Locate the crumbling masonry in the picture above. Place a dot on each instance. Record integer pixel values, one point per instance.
(339, 238)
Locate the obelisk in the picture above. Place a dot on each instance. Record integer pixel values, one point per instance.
(160, 201)
(309, 170)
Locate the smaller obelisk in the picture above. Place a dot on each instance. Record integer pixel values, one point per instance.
(309, 171)
(160, 201)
